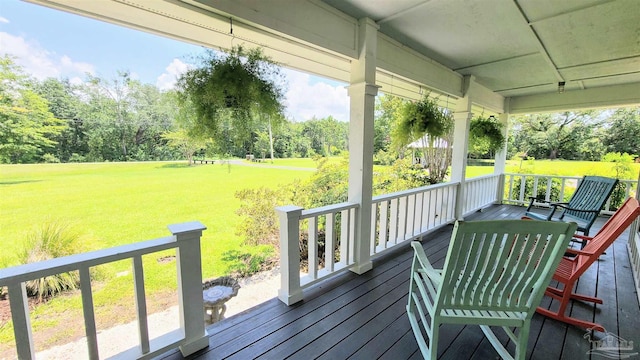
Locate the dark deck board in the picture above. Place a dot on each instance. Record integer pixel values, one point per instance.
(363, 317)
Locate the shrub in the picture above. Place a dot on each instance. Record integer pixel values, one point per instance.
(244, 263)
(51, 241)
(76, 158)
(622, 166)
(50, 158)
(259, 223)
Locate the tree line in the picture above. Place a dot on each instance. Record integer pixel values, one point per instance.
(123, 119)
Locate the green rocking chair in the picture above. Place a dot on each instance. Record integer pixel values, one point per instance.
(584, 206)
(495, 274)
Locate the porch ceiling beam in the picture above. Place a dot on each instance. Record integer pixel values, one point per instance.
(320, 39)
(600, 97)
(569, 12)
(543, 50)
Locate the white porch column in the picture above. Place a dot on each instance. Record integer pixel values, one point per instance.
(501, 158)
(362, 93)
(462, 118)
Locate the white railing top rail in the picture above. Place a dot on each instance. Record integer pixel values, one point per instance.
(577, 177)
(40, 269)
(328, 209)
(482, 177)
(402, 193)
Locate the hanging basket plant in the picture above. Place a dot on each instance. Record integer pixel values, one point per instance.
(488, 131)
(232, 92)
(420, 118)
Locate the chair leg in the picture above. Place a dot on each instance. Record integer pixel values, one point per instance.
(523, 339)
(564, 296)
(570, 320)
(433, 339)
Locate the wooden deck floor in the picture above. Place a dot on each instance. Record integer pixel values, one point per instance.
(363, 317)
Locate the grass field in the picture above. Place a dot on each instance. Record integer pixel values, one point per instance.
(118, 203)
(112, 204)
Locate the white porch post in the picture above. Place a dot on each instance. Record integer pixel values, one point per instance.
(501, 158)
(362, 94)
(190, 303)
(461, 118)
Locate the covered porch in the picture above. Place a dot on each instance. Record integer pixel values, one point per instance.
(364, 317)
(500, 57)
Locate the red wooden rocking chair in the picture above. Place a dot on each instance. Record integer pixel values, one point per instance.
(571, 268)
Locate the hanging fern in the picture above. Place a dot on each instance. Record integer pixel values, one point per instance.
(426, 121)
(487, 130)
(232, 93)
(420, 118)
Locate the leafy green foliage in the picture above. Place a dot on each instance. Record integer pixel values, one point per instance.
(388, 109)
(421, 118)
(555, 136)
(485, 135)
(622, 168)
(53, 240)
(27, 128)
(623, 134)
(260, 221)
(232, 93)
(424, 121)
(246, 263)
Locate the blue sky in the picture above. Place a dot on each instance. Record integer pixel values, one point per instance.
(52, 43)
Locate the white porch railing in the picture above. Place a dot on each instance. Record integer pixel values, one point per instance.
(480, 192)
(406, 215)
(519, 187)
(399, 217)
(190, 337)
(633, 246)
(336, 241)
(330, 232)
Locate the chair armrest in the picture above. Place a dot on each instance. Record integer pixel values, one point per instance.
(579, 252)
(435, 275)
(583, 237)
(566, 207)
(533, 199)
(421, 256)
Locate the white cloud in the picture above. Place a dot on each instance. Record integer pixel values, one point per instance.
(168, 79)
(4, 20)
(75, 66)
(39, 62)
(305, 100)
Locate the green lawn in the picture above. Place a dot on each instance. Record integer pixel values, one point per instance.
(119, 203)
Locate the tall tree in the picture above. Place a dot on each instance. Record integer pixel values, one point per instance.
(65, 105)
(388, 109)
(107, 109)
(554, 136)
(27, 127)
(623, 134)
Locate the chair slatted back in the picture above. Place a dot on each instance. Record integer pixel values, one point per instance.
(591, 194)
(610, 231)
(501, 265)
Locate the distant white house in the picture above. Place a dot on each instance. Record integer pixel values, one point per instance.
(423, 142)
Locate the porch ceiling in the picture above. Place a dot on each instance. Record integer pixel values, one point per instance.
(515, 49)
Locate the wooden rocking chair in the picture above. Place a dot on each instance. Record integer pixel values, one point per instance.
(495, 274)
(584, 206)
(571, 268)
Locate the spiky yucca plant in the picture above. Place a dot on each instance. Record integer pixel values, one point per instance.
(53, 240)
